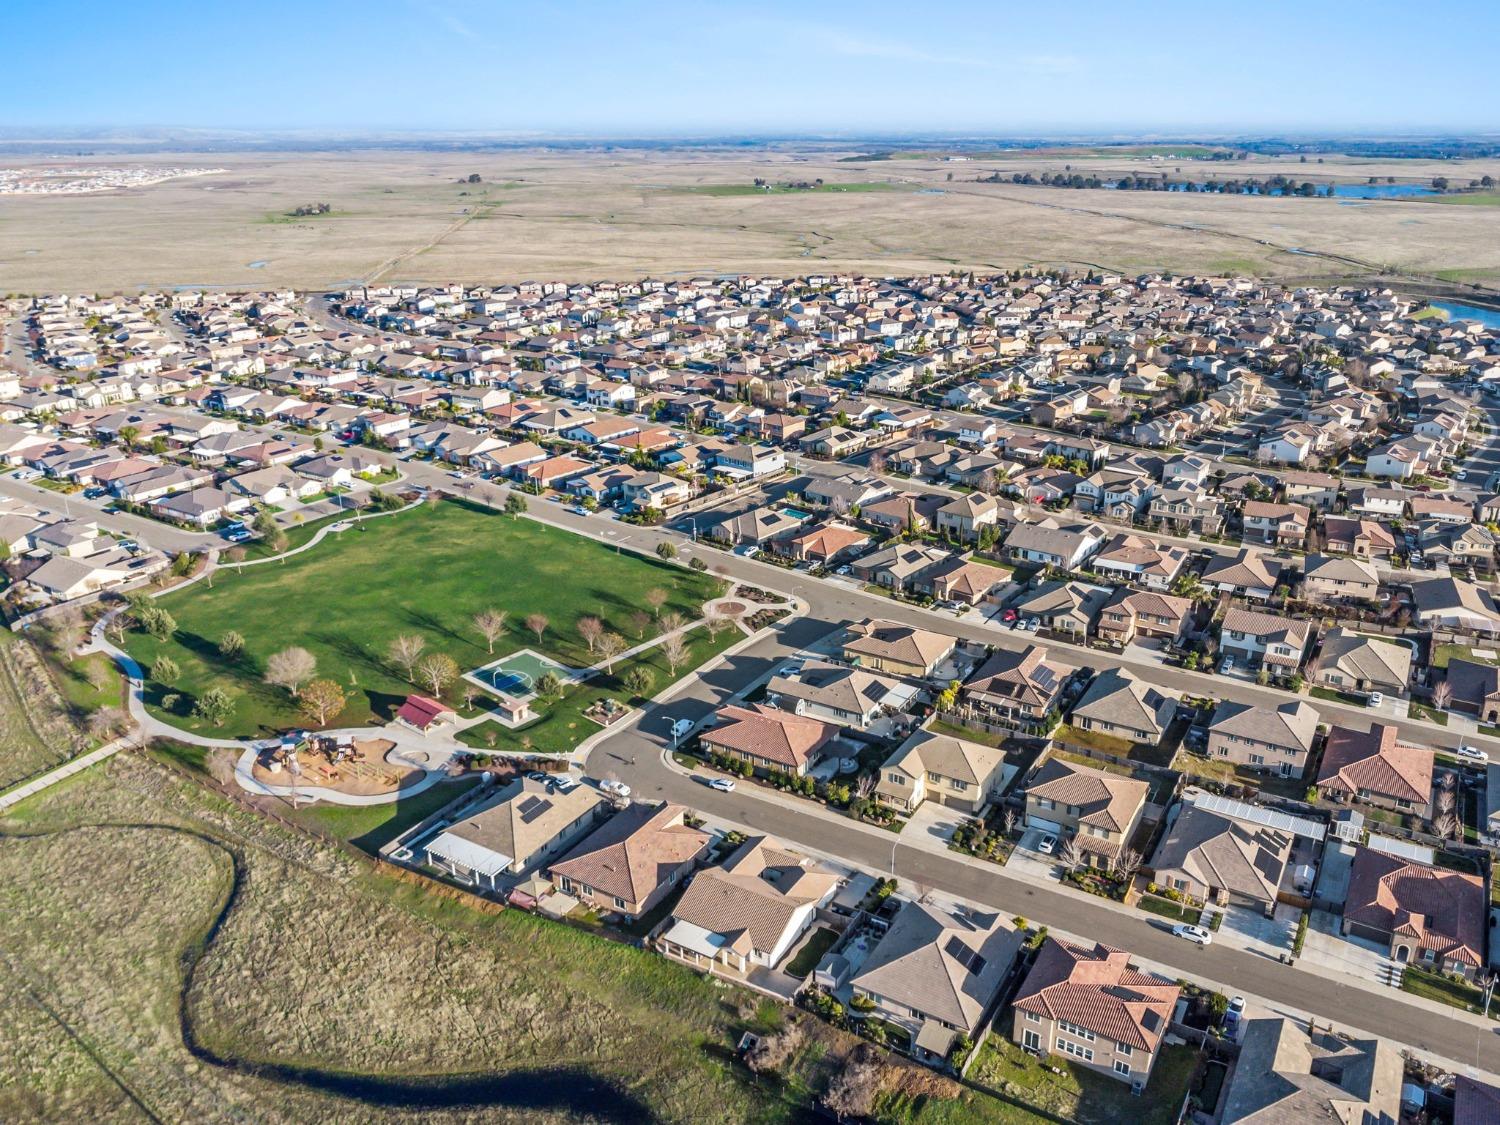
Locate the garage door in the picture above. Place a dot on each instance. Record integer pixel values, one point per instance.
(1038, 822)
(957, 803)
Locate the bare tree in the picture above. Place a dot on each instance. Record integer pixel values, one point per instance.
(639, 621)
(772, 1052)
(1069, 854)
(403, 652)
(436, 671)
(878, 463)
(1008, 820)
(290, 668)
(1442, 695)
(610, 646)
(105, 723)
(590, 629)
(537, 623)
(656, 597)
(1127, 863)
(853, 1090)
(671, 622)
(491, 626)
(715, 623)
(674, 649)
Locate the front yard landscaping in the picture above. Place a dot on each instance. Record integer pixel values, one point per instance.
(1433, 986)
(425, 572)
(1078, 1094)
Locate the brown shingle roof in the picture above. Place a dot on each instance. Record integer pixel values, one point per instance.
(635, 852)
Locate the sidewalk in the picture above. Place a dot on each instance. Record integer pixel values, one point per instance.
(62, 772)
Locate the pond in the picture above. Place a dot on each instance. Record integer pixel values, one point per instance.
(1380, 191)
(1490, 318)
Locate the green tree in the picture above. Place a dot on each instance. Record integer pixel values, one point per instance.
(666, 550)
(549, 685)
(165, 671)
(515, 504)
(231, 646)
(214, 706)
(640, 680)
(161, 624)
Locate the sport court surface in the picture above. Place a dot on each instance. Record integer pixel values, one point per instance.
(516, 675)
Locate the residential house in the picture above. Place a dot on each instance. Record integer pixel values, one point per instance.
(1350, 661)
(822, 544)
(962, 580)
(839, 694)
(897, 649)
(1092, 1005)
(1098, 811)
(1185, 510)
(1118, 704)
(954, 772)
(1052, 543)
(1362, 538)
(1330, 578)
(1065, 608)
(1275, 739)
(937, 973)
(1141, 613)
(1144, 561)
(1014, 689)
(967, 517)
(1376, 769)
(1282, 524)
(1455, 602)
(516, 831)
(627, 866)
(1474, 687)
(748, 911)
(768, 738)
(1213, 856)
(1431, 917)
(1247, 573)
(1288, 1073)
(897, 567)
(1268, 639)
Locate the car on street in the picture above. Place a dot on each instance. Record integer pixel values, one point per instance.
(1047, 844)
(722, 784)
(579, 510)
(1195, 934)
(615, 788)
(1473, 753)
(1375, 699)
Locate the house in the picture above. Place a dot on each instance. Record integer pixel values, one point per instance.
(1065, 608)
(1454, 602)
(1350, 661)
(961, 580)
(1364, 539)
(967, 517)
(652, 491)
(1474, 688)
(1187, 510)
(822, 544)
(767, 738)
(898, 566)
(1474, 1102)
(1214, 856)
(937, 973)
(1465, 544)
(900, 650)
(748, 911)
(1132, 558)
(1140, 613)
(1099, 811)
(1051, 543)
(954, 772)
(1255, 638)
(832, 442)
(1015, 689)
(845, 493)
(1247, 573)
(1316, 490)
(1092, 1005)
(1282, 524)
(839, 694)
(756, 527)
(1374, 768)
(516, 831)
(201, 507)
(1118, 704)
(1276, 739)
(632, 862)
(1432, 917)
(1288, 1073)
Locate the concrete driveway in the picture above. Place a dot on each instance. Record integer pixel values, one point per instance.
(931, 826)
(1251, 930)
(1029, 863)
(1327, 950)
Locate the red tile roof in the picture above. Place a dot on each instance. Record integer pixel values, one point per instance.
(1096, 988)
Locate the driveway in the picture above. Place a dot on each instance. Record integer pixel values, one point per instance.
(1029, 863)
(931, 826)
(1253, 931)
(1327, 950)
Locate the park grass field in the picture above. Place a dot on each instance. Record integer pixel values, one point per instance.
(425, 571)
(584, 215)
(140, 914)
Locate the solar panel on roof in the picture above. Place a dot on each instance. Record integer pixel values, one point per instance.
(965, 956)
(1045, 677)
(533, 807)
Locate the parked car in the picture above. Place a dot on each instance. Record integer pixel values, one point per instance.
(1473, 753)
(722, 784)
(1375, 699)
(564, 782)
(1008, 615)
(537, 775)
(615, 788)
(1195, 934)
(94, 493)
(579, 510)
(1032, 624)
(1047, 844)
(1234, 1013)
(1226, 666)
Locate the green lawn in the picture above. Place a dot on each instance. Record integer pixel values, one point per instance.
(1428, 714)
(1319, 692)
(1467, 199)
(1441, 654)
(810, 954)
(563, 725)
(1460, 994)
(373, 826)
(425, 571)
(296, 535)
(1080, 1095)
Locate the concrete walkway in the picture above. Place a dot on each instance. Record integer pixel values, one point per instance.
(62, 772)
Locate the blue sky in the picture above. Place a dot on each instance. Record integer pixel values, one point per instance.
(802, 68)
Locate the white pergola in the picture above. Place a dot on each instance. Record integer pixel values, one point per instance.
(453, 852)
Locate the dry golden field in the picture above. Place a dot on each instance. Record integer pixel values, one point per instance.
(579, 215)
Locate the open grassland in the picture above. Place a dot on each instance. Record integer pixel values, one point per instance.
(37, 724)
(167, 955)
(582, 215)
(426, 571)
